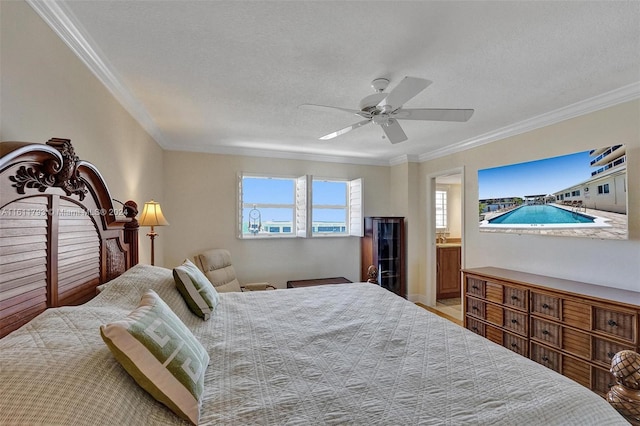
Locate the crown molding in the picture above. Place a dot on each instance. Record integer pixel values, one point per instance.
(286, 155)
(67, 27)
(402, 159)
(596, 103)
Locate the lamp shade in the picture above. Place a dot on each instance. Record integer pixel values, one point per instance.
(152, 215)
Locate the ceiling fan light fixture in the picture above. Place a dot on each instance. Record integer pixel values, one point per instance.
(380, 119)
(379, 84)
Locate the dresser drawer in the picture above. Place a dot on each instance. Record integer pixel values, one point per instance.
(476, 326)
(516, 344)
(475, 287)
(545, 356)
(516, 297)
(546, 332)
(604, 350)
(615, 323)
(546, 305)
(601, 380)
(515, 321)
(475, 307)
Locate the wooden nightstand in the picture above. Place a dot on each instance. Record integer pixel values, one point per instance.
(317, 281)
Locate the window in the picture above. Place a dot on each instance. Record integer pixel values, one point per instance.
(603, 189)
(336, 206)
(441, 209)
(267, 205)
(271, 206)
(330, 207)
(575, 193)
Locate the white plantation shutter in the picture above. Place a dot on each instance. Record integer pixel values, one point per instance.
(239, 204)
(356, 228)
(303, 216)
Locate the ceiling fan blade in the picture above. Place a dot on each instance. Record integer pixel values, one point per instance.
(333, 108)
(405, 90)
(345, 130)
(394, 132)
(432, 114)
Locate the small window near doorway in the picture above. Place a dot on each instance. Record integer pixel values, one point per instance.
(441, 209)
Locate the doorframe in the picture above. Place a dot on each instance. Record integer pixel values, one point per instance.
(430, 278)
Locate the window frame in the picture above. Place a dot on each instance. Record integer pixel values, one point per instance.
(302, 224)
(344, 206)
(443, 213)
(603, 189)
(242, 205)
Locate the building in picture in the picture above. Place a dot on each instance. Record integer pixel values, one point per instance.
(607, 188)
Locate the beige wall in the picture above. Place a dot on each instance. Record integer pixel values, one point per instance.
(611, 263)
(404, 202)
(201, 205)
(46, 91)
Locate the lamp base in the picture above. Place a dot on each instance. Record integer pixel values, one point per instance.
(153, 236)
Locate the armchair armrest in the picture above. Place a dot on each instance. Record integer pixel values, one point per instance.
(257, 286)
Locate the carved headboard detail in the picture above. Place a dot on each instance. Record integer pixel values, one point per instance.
(60, 235)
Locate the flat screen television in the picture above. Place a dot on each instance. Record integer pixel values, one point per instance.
(583, 194)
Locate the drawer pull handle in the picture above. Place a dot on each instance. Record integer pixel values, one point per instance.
(514, 321)
(545, 306)
(514, 297)
(475, 287)
(545, 332)
(474, 308)
(474, 328)
(545, 358)
(610, 354)
(514, 345)
(612, 323)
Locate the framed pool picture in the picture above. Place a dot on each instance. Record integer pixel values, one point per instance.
(583, 194)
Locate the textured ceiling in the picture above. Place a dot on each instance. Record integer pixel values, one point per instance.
(227, 76)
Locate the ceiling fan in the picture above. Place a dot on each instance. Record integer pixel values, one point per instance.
(385, 109)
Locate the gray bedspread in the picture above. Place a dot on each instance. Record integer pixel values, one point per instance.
(340, 354)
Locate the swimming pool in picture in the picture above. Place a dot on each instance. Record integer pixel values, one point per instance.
(545, 215)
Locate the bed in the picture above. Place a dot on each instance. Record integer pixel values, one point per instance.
(348, 354)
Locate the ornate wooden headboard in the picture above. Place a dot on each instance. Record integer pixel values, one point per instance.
(59, 232)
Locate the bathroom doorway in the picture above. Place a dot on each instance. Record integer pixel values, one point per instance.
(447, 213)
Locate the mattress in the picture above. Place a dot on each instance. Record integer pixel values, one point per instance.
(342, 354)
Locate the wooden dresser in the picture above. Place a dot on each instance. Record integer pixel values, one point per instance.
(571, 327)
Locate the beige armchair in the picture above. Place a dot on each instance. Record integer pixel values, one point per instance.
(216, 265)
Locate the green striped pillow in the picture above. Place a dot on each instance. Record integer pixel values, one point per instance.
(196, 289)
(161, 354)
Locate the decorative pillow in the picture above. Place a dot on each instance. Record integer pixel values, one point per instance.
(161, 354)
(196, 289)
